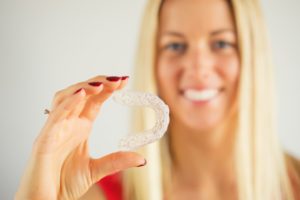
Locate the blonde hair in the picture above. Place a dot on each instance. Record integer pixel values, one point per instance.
(260, 165)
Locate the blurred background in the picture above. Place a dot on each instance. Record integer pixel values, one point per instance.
(46, 45)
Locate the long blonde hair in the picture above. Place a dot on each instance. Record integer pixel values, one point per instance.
(260, 165)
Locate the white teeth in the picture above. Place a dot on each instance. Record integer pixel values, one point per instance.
(200, 95)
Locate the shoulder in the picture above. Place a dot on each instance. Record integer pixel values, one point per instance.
(293, 162)
(293, 166)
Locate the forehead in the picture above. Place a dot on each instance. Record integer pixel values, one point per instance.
(195, 15)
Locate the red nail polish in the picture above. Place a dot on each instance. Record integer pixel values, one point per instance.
(95, 84)
(77, 91)
(143, 164)
(124, 77)
(113, 78)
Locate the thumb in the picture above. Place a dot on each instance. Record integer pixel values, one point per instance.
(113, 163)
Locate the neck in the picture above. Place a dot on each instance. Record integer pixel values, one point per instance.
(200, 156)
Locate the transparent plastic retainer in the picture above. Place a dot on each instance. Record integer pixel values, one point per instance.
(133, 98)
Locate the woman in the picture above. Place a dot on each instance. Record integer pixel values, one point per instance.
(208, 60)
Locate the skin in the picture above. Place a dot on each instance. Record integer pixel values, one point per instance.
(60, 166)
(195, 51)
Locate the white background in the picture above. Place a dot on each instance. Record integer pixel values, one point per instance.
(47, 45)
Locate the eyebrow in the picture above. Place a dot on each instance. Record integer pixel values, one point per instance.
(173, 33)
(221, 31)
(177, 34)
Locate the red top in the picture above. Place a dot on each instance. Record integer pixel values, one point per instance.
(112, 186)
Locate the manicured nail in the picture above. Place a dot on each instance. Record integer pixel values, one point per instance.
(95, 84)
(124, 77)
(113, 78)
(77, 91)
(145, 162)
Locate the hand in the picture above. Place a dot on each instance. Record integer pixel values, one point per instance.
(60, 166)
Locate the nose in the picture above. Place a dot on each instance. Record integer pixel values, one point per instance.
(199, 62)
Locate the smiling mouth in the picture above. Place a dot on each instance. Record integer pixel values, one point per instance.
(201, 95)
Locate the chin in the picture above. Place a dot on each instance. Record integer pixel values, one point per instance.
(204, 125)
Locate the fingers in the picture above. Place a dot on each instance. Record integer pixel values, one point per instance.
(90, 89)
(93, 92)
(113, 163)
(124, 82)
(67, 106)
(94, 102)
(90, 86)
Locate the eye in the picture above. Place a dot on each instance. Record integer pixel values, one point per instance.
(221, 44)
(176, 47)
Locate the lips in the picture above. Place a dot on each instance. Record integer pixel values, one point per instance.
(201, 95)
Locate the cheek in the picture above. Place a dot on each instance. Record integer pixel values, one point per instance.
(167, 73)
(229, 68)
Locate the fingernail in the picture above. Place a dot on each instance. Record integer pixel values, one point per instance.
(95, 84)
(145, 162)
(113, 78)
(77, 91)
(124, 77)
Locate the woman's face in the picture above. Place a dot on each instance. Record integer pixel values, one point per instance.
(197, 64)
